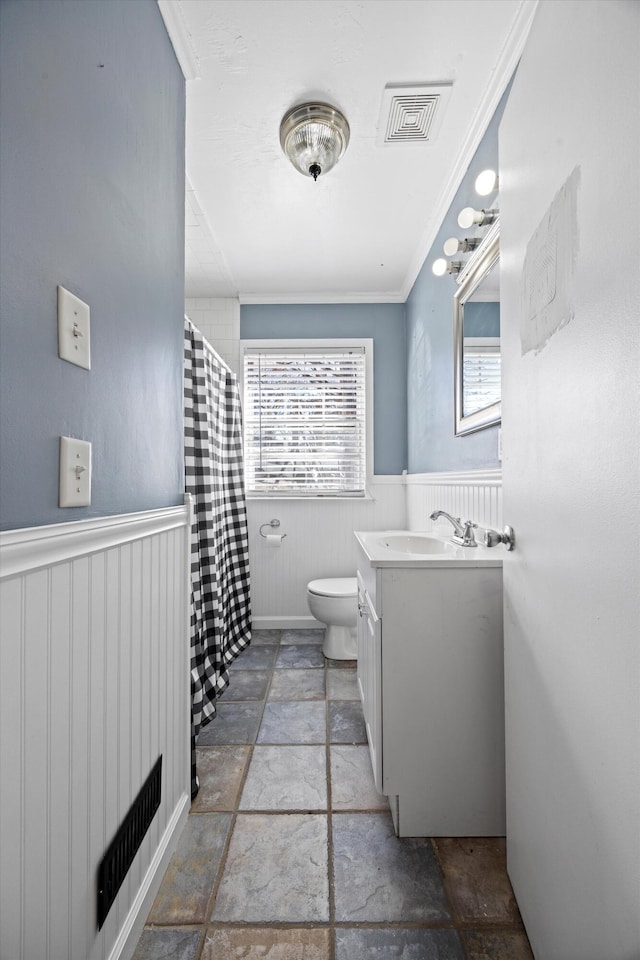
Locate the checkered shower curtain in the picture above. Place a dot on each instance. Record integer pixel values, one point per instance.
(220, 601)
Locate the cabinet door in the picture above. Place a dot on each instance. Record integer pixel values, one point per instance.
(370, 679)
(362, 646)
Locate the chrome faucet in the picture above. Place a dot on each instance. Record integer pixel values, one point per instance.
(457, 526)
(463, 530)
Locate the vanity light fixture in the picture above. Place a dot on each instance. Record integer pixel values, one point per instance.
(482, 218)
(486, 183)
(314, 136)
(440, 267)
(453, 245)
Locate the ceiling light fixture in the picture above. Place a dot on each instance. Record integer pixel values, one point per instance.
(314, 136)
(486, 182)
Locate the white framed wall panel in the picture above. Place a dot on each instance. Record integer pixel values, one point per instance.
(94, 685)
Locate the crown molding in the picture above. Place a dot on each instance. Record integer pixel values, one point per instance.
(183, 46)
(322, 297)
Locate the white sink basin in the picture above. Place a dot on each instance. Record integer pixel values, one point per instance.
(410, 548)
(416, 544)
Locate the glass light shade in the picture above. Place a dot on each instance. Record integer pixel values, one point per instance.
(314, 136)
(486, 182)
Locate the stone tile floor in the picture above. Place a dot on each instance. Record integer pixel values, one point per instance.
(289, 851)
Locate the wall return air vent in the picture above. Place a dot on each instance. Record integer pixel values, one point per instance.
(121, 851)
(411, 113)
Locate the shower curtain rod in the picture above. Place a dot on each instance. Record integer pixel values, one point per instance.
(222, 362)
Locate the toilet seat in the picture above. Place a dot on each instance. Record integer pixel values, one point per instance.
(334, 587)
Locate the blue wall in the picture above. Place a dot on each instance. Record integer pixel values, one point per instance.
(92, 198)
(481, 319)
(385, 324)
(432, 445)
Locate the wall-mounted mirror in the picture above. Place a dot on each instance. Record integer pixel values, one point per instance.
(476, 329)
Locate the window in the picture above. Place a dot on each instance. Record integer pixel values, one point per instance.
(305, 418)
(481, 373)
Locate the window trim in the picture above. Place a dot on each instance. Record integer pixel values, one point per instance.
(334, 343)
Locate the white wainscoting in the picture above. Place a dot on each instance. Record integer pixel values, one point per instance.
(473, 495)
(319, 543)
(94, 686)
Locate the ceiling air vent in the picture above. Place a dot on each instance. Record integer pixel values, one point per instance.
(411, 114)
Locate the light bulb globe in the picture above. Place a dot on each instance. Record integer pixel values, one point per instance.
(468, 217)
(439, 267)
(486, 183)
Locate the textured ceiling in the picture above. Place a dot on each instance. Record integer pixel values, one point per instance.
(258, 229)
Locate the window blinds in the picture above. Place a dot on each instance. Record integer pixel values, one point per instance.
(481, 374)
(305, 421)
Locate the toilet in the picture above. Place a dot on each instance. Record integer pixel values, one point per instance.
(334, 602)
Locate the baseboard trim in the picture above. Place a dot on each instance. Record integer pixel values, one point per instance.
(285, 623)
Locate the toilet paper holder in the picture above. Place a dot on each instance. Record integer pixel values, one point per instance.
(271, 523)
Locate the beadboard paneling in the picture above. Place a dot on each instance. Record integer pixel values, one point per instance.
(94, 685)
(319, 543)
(473, 495)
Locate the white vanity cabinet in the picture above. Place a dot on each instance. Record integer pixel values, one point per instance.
(431, 680)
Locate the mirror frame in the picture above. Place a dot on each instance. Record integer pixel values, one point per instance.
(475, 270)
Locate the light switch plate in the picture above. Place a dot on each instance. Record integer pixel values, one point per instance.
(74, 342)
(75, 472)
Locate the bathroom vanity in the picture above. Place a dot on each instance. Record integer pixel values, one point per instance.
(431, 680)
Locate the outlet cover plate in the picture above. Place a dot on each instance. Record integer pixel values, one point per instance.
(75, 473)
(74, 342)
